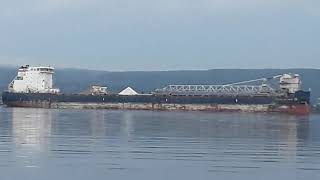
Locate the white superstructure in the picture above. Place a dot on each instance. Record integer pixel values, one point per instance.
(290, 82)
(33, 79)
(99, 90)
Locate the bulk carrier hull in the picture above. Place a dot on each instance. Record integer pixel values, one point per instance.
(33, 87)
(297, 103)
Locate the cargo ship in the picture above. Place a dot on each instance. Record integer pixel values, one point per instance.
(33, 87)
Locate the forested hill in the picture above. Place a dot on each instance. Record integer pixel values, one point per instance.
(75, 80)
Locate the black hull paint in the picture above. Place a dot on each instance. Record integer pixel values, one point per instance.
(298, 102)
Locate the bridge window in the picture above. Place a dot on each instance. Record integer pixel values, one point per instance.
(44, 69)
(19, 78)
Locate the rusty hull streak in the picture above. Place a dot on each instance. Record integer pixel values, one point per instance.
(293, 109)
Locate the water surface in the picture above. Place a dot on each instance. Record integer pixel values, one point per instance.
(101, 144)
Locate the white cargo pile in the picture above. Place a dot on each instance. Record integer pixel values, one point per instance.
(128, 92)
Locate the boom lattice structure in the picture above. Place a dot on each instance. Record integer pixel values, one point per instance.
(227, 89)
(215, 90)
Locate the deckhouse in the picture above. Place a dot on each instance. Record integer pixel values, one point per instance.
(33, 79)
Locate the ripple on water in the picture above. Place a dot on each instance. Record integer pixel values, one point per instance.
(56, 144)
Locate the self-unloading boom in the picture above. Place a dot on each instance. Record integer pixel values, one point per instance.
(237, 88)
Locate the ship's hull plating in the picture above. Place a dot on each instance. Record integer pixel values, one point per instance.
(295, 104)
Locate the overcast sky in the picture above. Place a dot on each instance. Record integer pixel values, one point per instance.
(161, 34)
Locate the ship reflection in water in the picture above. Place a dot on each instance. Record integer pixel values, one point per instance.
(31, 130)
(99, 144)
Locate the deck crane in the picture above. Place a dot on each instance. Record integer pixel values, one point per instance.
(227, 89)
(255, 80)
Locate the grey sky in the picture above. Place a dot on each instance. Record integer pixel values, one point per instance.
(161, 35)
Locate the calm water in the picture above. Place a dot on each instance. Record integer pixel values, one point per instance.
(99, 144)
